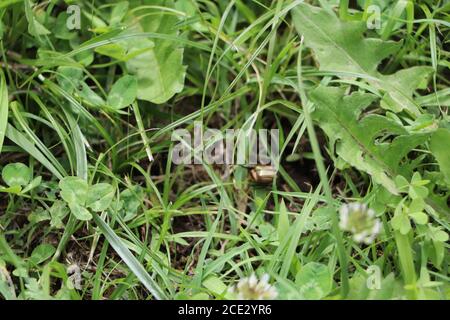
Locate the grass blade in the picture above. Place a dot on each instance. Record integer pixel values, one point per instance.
(3, 109)
(129, 259)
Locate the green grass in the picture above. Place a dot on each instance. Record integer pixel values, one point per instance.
(362, 114)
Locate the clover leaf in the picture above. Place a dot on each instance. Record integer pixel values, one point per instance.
(80, 196)
(16, 174)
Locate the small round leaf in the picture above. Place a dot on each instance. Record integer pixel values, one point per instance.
(16, 174)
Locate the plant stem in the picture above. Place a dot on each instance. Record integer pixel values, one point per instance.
(323, 176)
(406, 263)
(141, 128)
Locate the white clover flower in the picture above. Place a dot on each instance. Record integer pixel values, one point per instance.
(358, 219)
(252, 289)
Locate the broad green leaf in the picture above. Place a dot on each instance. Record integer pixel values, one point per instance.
(35, 28)
(440, 236)
(3, 109)
(215, 285)
(389, 289)
(80, 212)
(100, 196)
(96, 22)
(74, 190)
(16, 174)
(416, 205)
(191, 10)
(199, 296)
(417, 180)
(119, 11)
(439, 146)
(58, 211)
(400, 88)
(60, 29)
(342, 48)
(159, 70)
(113, 50)
(358, 138)
(131, 200)
(38, 215)
(436, 244)
(123, 92)
(42, 253)
(419, 217)
(314, 281)
(418, 192)
(6, 291)
(287, 290)
(69, 78)
(90, 96)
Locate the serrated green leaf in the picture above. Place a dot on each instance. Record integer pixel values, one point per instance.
(357, 139)
(342, 48)
(35, 28)
(439, 146)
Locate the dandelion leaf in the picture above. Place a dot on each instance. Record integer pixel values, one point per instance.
(363, 140)
(342, 48)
